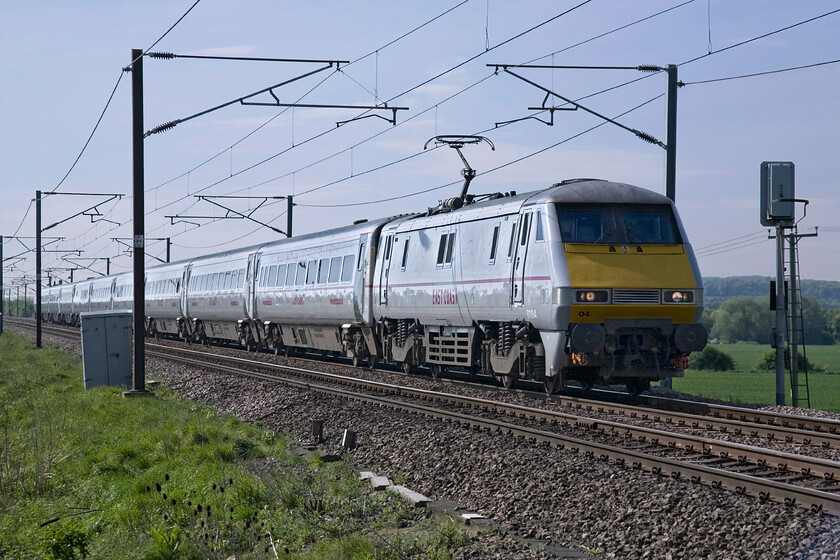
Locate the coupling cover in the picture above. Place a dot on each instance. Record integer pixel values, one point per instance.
(588, 337)
(690, 338)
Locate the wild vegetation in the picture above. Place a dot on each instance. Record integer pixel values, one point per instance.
(89, 474)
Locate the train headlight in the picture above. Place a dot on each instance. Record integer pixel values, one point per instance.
(592, 296)
(678, 296)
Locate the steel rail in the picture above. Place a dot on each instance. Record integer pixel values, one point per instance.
(724, 451)
(744, 484)
(719, 411)
(723, 425)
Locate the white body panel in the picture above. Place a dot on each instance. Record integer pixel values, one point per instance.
(81, 299)
(329, 280)
(215, 293)
(123, 297)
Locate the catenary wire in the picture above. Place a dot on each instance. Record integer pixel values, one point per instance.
(325, 132)
(724, 49)
(492, 170)
(336, 154)
(386, 45)
(778, 71)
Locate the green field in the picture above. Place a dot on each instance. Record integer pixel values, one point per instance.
(747, 385)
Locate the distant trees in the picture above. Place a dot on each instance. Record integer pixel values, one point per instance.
(718, 290)
(832, 319)
(742, 319)
(746, 319)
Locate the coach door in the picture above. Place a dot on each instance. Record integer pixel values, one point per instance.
(387, 245)
(250, 276)
(520, 252)
(185, 282)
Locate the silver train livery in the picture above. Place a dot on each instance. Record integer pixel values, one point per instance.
(586, 280)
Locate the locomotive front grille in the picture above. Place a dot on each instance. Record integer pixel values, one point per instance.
(645, 297)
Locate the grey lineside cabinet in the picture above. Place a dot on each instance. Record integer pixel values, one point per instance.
(106, 348)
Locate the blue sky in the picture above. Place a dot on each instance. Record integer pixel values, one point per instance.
(60, 61)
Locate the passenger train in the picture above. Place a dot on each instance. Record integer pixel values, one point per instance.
(586, 280)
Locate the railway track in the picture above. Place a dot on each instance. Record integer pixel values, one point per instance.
(765, 474)
(724, 419)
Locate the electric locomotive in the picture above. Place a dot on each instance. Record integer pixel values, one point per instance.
(588, 280)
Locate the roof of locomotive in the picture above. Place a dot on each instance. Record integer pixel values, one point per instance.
(598, 190)
(584, 190)
(574, 191)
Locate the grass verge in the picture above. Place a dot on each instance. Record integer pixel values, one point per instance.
(89, 474)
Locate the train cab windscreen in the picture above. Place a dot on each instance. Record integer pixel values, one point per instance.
(618, 224)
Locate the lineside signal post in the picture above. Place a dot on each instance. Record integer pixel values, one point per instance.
(777, 209)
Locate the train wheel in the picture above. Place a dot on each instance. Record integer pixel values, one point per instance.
(550, 384)
(408, 368)
(509, 381)
(373, 361)
(286, 351)
(436, 370)
(357, 361)
(637, 386)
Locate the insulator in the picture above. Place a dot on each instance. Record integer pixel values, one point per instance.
(648, 138)
(648, 68)
(162, 128)
(163, 55)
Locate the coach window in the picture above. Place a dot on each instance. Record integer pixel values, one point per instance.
(449, 246)
(335, 269)
(311, 272)
(441, 250)
(290, 274)
(524, 237)
(323, 270)
(405, 254)
(494, 245)
(272, 274)
(347, 268)
(281, 275)
(538, 235)
(361, 255)
(512, 241)
(235, 276)
(388, 241)
(300, 276)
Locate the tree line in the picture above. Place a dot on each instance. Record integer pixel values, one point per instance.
(746, 319)
(719, 290)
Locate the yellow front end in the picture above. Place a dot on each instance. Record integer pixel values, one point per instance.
(631, 267)
(635, 310)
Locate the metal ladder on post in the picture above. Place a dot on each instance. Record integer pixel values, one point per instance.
(796, 328)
